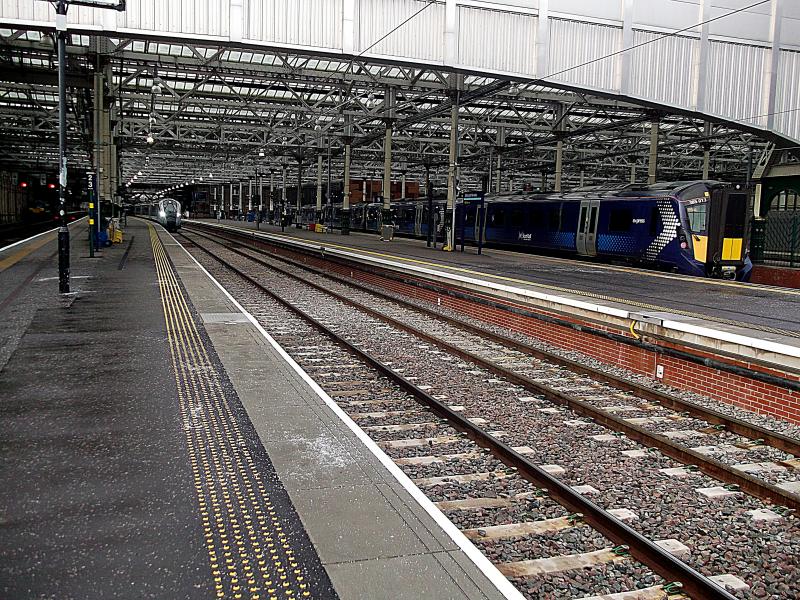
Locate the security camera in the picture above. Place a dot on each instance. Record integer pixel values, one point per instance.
(156, 89)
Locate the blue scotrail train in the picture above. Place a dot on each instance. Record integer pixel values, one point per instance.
(695, 228)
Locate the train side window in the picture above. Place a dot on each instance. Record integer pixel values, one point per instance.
(697, 217)
(469, 219)
(593, 220)
(498, 217)
(655, 220)
(554, 219)
(536, 218)
(516, 218)
(582, 220)
(620, 220)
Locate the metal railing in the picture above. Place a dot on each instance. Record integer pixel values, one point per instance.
(776, 239)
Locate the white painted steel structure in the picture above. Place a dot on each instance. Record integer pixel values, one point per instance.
(744, 68)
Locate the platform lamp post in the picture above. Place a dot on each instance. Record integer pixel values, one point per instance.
(259, 187)
(389, 117)
(61, 30)
(347, 139)
(328, 199)
(431, 218)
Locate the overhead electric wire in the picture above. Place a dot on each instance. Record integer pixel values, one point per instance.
(545, 78)
(598, 59)
(658, 39)
(395, 28)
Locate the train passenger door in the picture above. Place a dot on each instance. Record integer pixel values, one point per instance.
(417, 208)
(586, 239)
(480, 223)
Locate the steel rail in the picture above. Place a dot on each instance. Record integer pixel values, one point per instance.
(732, 424)
(643, 549)
(710, 466)
(432, 284)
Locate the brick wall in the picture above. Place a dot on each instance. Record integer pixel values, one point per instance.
(779, 276)
(724, 386)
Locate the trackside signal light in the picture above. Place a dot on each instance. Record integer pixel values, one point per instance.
(51, 186)
(24, 184)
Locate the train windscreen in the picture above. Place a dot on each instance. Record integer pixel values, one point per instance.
(698, 217)
(735, 216)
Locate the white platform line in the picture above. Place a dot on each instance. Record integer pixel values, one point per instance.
(26, 240)
(33, 237)
(704, 331)
(504, 586)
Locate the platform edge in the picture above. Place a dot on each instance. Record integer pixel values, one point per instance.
(495, 577)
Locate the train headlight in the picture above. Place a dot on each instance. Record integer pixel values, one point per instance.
(162, 214)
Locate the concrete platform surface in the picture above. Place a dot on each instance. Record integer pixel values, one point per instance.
(372, 536)
(155, 443)
(95, 489)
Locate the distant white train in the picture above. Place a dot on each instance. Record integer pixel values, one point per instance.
(166, 211)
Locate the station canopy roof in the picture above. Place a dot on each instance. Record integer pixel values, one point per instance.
(227, 114)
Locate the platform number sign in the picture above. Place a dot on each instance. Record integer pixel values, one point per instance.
(91, 188)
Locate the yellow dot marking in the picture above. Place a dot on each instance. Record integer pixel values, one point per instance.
(232, 520)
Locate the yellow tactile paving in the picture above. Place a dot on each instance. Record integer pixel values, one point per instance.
(248, 551)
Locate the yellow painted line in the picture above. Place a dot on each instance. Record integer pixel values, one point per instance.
(33, 246)
(615, 268)
(29, 246)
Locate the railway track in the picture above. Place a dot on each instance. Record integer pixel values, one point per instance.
(10, 234)
(388, 279)
(754, 458)
(512, 524)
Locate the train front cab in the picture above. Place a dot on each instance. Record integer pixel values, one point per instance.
(713, 232)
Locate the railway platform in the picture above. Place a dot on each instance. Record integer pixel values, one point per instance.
(736, 343)
(157, 442)
(735, 305)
